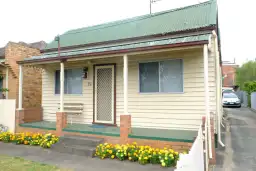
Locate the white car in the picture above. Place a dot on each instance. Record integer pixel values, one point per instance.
(230, 100)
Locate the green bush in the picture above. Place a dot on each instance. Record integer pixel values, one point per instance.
(250, 87)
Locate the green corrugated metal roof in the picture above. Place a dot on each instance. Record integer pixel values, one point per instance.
(125, 46)
(190, 17)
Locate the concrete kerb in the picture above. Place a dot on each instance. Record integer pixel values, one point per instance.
(253, 110)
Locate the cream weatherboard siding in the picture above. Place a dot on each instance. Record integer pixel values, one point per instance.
(153, 110)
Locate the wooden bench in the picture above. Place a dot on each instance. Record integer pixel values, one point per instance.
(73, 109)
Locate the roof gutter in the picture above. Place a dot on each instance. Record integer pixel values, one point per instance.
(116, 51)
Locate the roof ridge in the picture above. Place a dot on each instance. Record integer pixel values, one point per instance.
(132, 19)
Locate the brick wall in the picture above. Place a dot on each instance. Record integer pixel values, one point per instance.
(32, 78)
(33, 115)
(229, 71)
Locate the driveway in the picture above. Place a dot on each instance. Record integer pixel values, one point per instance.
(77, 163)
(240, 150)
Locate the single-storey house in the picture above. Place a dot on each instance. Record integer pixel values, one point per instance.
(151, 77)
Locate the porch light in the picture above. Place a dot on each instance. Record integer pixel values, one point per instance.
(85, 72)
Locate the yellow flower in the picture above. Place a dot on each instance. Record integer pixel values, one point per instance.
(113, 156)
(110, 151)
(163, 164)
(176, 153)
(130, 158)
(145, 158)
(154, 153)
(165, 158)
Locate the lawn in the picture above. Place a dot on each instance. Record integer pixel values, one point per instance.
(19, 164)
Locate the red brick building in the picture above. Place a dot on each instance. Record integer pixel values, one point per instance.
(9, 55)
(229, 73)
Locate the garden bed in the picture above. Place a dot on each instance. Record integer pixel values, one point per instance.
(44, 141)
(141, 154)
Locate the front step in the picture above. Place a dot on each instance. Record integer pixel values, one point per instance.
(74, 150)
(77, 140)
(81, 146)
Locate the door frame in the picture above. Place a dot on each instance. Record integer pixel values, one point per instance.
(114, 89)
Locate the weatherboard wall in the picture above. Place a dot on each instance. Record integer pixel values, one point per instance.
(152, 110)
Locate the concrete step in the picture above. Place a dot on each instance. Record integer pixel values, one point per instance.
(83, 141)
(74, 149)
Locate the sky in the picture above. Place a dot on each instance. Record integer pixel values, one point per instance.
(29, 21)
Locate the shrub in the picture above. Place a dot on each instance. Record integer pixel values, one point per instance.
(6, 137)
(47, 140)
(250, 87)
(141, 154)
(44, 141)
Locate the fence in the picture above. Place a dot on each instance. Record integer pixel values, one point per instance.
(194, 160)
(7, 114)
(253, 100)
(242, 95)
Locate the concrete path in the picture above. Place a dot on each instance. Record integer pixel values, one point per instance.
(240, 150)
(77, 163)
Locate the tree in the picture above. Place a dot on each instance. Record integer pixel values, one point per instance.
(246, 73)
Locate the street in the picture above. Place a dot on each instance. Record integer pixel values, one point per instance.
(240, 151)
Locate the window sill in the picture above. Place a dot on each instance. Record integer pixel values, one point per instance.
(71, 95)
(161, 93)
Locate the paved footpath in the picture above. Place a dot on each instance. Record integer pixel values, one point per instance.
(77, 163)
(240, 150)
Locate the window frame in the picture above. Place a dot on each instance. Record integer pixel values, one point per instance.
(64, 84)
(161, 60)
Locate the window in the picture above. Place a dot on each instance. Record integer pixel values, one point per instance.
(229, 95)
(162, 76)
(73, 81)
(1, 82)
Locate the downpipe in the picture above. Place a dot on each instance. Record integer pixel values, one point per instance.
(207, 98)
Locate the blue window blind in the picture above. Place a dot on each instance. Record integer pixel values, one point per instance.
(162, 76)
(73, 81)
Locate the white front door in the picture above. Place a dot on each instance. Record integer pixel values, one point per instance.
(104, 94)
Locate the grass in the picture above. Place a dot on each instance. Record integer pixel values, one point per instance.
(19, 164)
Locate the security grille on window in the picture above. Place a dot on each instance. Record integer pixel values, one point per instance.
(73, 81)
(162, 76)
